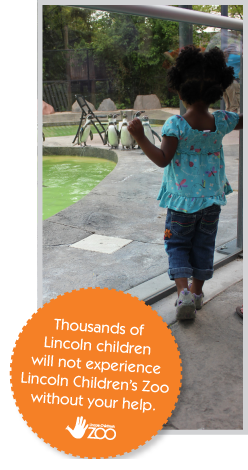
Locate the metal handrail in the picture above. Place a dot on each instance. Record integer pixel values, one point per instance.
(172, 14)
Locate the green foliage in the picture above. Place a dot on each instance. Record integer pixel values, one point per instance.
(172, 102)
(125, 105)
(215, 105)
(132, 48)
(234, 11)
(126, 52)
(127, 49)
(79, 21)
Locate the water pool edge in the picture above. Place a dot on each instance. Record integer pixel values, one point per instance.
(93, 153)
(97, 152)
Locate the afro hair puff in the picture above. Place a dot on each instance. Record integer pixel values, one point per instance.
(200, 76)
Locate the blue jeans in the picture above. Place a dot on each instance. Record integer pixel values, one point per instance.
(190, 242)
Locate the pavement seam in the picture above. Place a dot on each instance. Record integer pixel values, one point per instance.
(67, 225)
(57, 245)
(223, 290)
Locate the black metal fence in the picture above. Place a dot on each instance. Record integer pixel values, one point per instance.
(70, 72)
(67, 73)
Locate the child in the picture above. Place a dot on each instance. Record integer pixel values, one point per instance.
(194, 185)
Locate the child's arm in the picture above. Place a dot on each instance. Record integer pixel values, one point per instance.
(161, 157)
(240, 123)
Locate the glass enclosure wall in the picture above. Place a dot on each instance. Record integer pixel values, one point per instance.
(114, 60)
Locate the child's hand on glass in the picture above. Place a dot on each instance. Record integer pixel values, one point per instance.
(136, 129)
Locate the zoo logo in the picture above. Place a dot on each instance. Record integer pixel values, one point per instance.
(108, 433)
(80, 428)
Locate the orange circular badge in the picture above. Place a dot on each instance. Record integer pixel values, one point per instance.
(96, 373)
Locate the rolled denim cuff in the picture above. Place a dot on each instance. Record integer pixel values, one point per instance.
(203, 274)
(175, 273)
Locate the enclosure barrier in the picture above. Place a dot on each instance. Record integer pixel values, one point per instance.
(196, 17)
(167, 13)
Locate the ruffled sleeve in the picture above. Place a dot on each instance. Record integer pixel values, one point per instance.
(171, 127)
(226, 121)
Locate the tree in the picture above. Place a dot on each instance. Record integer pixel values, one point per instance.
(126, 51)
(234, 11)
(132, 49)
(63, 27)
(201, 37)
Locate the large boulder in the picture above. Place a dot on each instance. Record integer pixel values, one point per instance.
(76, 108)
(147, 102)
(107, 105)
(47, 108)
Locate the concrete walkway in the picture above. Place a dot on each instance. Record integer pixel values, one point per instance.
(124, 205)
(211, 350)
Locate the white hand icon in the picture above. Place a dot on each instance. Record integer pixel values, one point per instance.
(79, 429)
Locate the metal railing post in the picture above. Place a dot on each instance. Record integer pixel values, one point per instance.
(224, 12)
(185, 39)
(240, 178)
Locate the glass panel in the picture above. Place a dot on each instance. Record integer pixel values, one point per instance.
(118, 62)
(97, 63)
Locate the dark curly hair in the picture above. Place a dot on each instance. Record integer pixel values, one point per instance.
(200, 76)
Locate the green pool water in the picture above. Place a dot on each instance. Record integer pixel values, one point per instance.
(68, 179)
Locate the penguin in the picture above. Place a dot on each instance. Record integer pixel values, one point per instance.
(117, 125)
(136, 115)
(110, 119)
(121, 122)
(149, 132)
(112, 133)
(85, 131)
(126, 139)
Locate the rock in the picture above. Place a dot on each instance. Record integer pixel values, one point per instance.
(76, 108)
(147, 102)
(107, 105)
(47, 108)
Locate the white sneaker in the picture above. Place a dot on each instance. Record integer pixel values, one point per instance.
(185, 305)
(198, 300)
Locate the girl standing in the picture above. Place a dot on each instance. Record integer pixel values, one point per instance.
(194, 185)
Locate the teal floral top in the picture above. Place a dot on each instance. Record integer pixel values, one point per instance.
(195, 177)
